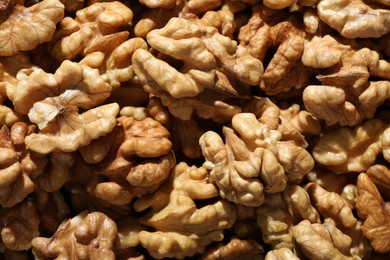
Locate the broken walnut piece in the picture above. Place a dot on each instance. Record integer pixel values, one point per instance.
(374, 210)
(26, 27)
(85, 236)
(280, 254)
(182, 228)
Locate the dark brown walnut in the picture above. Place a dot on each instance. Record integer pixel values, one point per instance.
(23, 28)
(85, 236)
(19, 225)
(135, 158)
(181, 227)
(355, 81)
(269, 29)
(234, 249)
(372, 208)
(19, 165)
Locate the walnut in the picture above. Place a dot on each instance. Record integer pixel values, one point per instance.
(322, 241)
(280, 212)
(251, 156)
(114, 59)
(182, 227)
(85, 236)
(23, 28)
(52, 101)
(216, 64)
(355, 19)
(52, 209)
(262, 33)
(19, 166)
(280, 254)
(165, 4)
(92, 26)
(234, 249)
(135, 157)
(19, 225)
(12, 69)
(345, 149)
(347, 96)
(371, 207)
(276, 4)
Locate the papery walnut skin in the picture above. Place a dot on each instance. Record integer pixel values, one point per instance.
(16, 33)
(182, 228)
(82, 237)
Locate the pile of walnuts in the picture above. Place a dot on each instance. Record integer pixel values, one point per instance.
(195, 129)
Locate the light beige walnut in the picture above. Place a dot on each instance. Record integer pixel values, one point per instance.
(252, 157)
(85, 236)
(19, 225)
(234, 249)
(19, 165)
(347, 149)
(322, 241)
(114, 59)
(355, 19)
(23, 28)
(52, 101)
(371, 206)
(281, 254)
(269, 29)
(181, 227)
(347, 96)
(92, 26)
(166, 4)
(223, 20)
(135, 158)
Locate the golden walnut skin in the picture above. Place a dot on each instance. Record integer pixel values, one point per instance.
(25, 28)
(85, 236)
(181, 227)
(371, 206)
(347, 96)
(135, 157)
